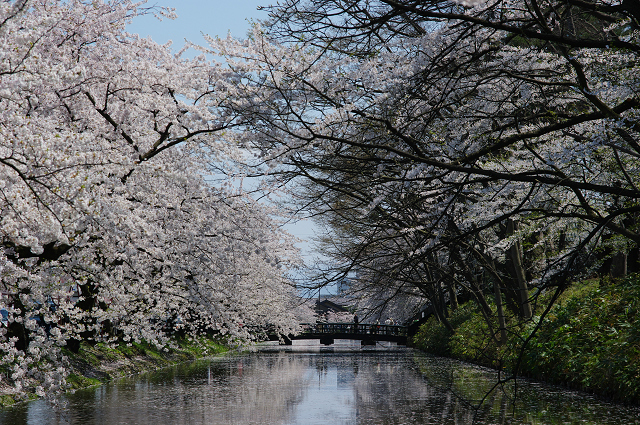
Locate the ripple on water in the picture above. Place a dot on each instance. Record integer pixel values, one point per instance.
(308, 383)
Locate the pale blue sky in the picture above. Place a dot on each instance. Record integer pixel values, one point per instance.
(213, 17)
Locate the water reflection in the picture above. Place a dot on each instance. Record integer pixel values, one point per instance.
(312, 384)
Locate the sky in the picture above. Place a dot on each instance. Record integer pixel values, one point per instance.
(214, 18)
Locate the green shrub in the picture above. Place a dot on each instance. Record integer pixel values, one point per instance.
(592, 341)
(433, 337)
(589, 340)
(473, 342)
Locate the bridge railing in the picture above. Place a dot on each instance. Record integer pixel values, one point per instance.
(360, 328)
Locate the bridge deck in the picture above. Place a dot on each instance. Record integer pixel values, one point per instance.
(368, 333)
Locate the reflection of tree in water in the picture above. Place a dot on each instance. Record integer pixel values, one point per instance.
(392, 387)
(477, 390)
(396, 388)
(258, 389)
(249, 389)
(391, 390)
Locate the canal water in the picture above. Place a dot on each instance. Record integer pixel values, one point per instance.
(312, 384)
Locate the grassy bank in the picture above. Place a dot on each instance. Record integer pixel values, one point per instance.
(96, 364)
(589, 341)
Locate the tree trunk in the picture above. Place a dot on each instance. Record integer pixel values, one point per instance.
(437, 308)
(515, 254)
(502, 325)
(476, 291)
(490, 267)
(618, 265)
(453, 297)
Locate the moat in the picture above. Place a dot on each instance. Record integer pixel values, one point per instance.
(311, 384)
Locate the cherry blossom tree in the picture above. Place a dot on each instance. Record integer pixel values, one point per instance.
(111, 229)
(481, 148)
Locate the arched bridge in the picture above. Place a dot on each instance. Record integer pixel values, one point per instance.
(369, 334)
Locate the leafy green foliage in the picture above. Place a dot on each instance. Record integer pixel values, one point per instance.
(434, 337)
(79, 381)
(590, 340)
(473, 342)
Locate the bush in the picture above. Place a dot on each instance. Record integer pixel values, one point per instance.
(590, 340)
(433, 337)
(473, 342)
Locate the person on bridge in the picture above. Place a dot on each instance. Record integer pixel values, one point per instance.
(355, 323)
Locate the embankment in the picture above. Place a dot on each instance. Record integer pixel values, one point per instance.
(590, 340)
(96, 364)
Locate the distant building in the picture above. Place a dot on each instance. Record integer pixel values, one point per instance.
(344, 285)
(326, 306)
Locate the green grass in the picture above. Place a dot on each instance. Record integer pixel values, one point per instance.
(6, 400)
(590, 340)
(78, 381)
(99, 363)
(434, 338)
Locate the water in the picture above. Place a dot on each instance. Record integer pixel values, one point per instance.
(306, 385)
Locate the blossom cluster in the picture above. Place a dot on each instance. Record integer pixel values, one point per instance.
(111, 229)
(485, 150)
